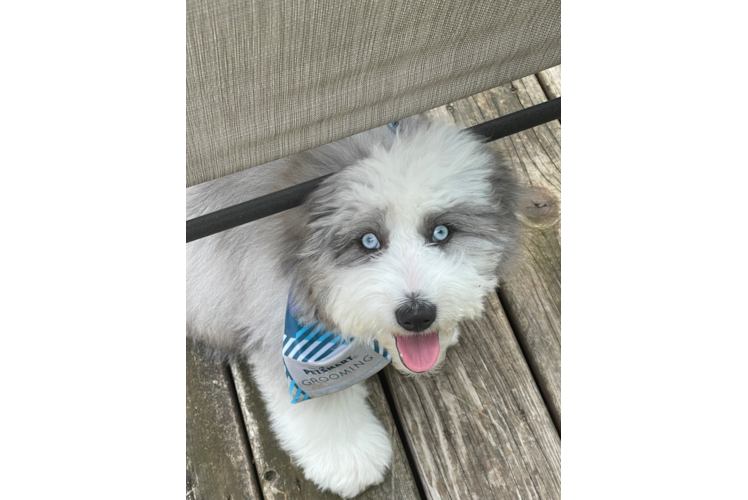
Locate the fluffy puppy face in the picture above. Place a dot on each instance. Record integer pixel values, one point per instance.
(405, 243)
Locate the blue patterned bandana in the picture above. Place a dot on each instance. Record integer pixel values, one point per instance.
(320, 362)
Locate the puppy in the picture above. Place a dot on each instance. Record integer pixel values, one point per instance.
(399, 246)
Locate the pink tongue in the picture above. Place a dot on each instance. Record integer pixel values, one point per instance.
(419, 352)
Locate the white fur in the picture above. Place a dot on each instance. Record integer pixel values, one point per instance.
(238, 281)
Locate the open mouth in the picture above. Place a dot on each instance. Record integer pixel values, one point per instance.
(418, 352)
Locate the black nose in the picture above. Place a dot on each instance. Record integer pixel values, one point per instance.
(416, 316)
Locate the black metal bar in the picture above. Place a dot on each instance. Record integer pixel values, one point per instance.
(272, 203)
(521, 120)
(251, 210)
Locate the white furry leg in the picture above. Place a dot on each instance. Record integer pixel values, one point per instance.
(336, 440)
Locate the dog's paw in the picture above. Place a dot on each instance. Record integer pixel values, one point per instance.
(336, 440)
(350, 461)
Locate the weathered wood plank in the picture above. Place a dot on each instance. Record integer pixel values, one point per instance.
(532, 295)
(479, 428)
(219, 464)
(282, 480)
(550, 81)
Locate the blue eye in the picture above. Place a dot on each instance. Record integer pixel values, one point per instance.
(440, 233)
(370, 241)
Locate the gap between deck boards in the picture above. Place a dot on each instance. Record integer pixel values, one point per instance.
(245, 435)
(532, 365)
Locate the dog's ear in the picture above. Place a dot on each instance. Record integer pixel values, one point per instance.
(518, 206)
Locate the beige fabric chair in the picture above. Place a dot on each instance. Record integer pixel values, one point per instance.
(266, 79)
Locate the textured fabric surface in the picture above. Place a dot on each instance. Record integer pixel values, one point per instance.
(267, 79)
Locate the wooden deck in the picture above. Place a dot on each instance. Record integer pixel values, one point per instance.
(488, 426)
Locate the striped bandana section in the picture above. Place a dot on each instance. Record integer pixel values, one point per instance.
(320, 362)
